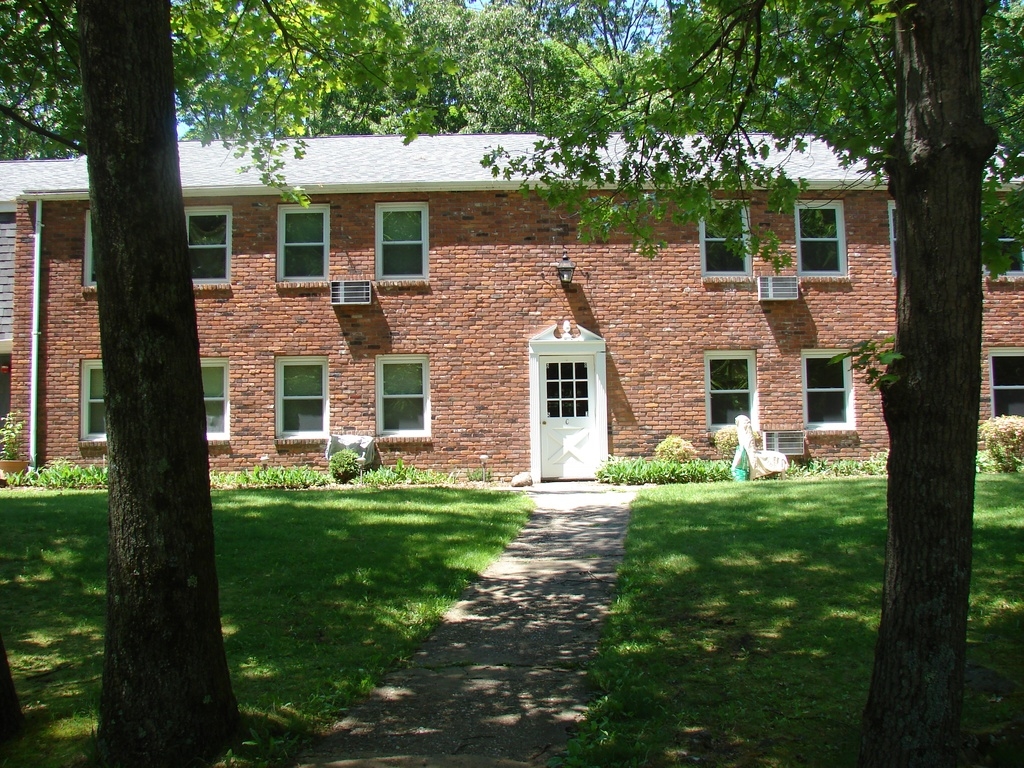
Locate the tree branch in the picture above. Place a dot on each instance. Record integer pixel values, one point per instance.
(12, 114)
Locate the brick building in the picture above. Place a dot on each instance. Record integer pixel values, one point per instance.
(417, 299)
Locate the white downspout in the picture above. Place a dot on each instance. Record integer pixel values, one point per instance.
(33, 392)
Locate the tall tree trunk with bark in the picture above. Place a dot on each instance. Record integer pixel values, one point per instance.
(912, 717)
(11, 718)
(166, 696)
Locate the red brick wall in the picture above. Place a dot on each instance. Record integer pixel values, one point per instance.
(491, 289)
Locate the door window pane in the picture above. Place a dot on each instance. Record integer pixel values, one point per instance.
(568, 390)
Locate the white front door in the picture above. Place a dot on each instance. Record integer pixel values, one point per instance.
(569, 450)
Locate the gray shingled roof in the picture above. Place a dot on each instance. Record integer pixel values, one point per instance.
(362, 163)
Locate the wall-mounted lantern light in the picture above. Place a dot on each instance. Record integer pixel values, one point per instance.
(566, 267)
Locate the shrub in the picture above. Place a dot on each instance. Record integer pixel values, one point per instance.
(402, 474)
(637, 471)
(675, 448)
(726, 441)
(876, 466)
(62, 474)
(1004, 440)
(344, 466)
(271, 477)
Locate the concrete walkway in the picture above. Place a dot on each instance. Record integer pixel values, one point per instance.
(501, 681)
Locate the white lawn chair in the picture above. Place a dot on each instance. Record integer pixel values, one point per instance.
(759, 463)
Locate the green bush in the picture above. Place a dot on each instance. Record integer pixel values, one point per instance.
(875, 466)
(344, 466)
(270, 477)
(62, 474)
(675, 448)
(726, 442)
(638, 471)
(1004, 441)
(402, 474)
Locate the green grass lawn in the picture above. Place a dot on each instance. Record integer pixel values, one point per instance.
(744, 628)
(321, 592)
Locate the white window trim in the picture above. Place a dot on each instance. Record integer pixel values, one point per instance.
(87, 269)
(282, 213)
(724, 354)
(994, 353)
(837, 205)
(85, 399)
(892, 233)
(221, 363)
(828, 354)
(382, 361)
(279, 365)
(214, 211)
(424, 208)
(1013, 240)
(745, 218)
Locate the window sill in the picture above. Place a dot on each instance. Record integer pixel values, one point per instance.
(403, 439)
(825, 279)
(745, 279)
(830, 429)
(94, 447)
(410, 282)
(221, 287)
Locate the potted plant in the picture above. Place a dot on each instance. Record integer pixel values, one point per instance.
(10, 444)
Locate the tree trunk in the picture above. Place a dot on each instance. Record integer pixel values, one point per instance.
(11, 718)
(166, 696)
(912, 717)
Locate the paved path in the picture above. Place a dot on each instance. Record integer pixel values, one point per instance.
(501, 681)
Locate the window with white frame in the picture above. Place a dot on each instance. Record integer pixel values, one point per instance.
(729, 387)
(209, 243)
(301, 388)
(402, 240)
(723, 242)
(892, 233)
(89, 259)
(1007, 379)
(820, 238)
(302, 242)
(403, 395)
(1014, 251)
(94, 408)
(828, 392)
(215, 397)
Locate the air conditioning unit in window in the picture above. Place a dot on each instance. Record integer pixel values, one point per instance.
(778, 288)
(790, 443)
(346, 292)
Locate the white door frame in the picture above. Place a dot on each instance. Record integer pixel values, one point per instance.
(584, 344)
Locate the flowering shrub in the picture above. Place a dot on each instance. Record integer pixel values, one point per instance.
(675, 448)
(1004, 440)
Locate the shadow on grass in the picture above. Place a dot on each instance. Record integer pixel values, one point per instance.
(745, 625)
(320, 592)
